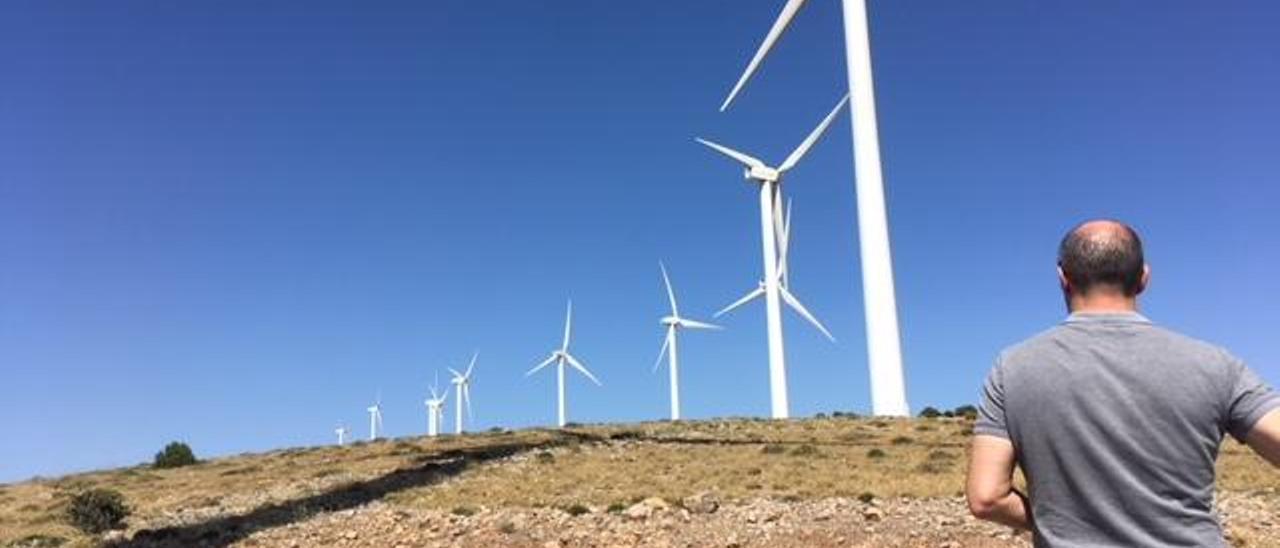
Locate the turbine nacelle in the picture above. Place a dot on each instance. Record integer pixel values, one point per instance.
(763, 174)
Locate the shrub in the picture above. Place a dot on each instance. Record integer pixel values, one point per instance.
(577, 510)
(616, 508)
(545, 457)
(967, 411)
(866, 498)
(97, 511)
(805, 450)
(902, 440)
(930, 413)
(941, 456)
(773, 449)
(174, 455)
(464, 511)
(876, 454)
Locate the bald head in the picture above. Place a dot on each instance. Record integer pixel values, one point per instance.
(1102, 255)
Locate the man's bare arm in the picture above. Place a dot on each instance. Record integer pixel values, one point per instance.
(1264, 438)
(989, 488)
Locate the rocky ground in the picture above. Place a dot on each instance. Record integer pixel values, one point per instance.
(698, 521)
(704, 521)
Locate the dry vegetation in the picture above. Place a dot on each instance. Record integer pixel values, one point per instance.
(599, 466)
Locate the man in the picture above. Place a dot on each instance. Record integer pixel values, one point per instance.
(1115, 422)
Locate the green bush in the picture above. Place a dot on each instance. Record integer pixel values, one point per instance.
(930, 413)
(876, 454)
(97, 511)
(174, 455)
(967, 411)
(577, 510)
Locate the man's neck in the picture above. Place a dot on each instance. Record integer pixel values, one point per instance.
(1103, 304)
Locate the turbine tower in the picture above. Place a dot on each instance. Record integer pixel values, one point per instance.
(435, 410)
(884, 345)
(769, 178)
(784, 290)
(561, 357)
(341, 431)
(375, 418)
(674, 323)
(462, 385)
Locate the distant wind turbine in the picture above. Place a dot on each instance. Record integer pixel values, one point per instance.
(784, 290)
(341, 431)
(674, 323)
(435, 409)
(462, 385)
(769, 179)
(884, 344)
(375, 418)
(562, 357)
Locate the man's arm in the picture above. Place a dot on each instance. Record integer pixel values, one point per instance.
(1264, 437)
(989, 488)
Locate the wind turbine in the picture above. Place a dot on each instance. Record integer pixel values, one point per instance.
(784, 291)
(435, 409)
(462, 384)
(674, 323)
(375, 418)
(769, 178)
(561, 357)
(341, 431)
(884, 345)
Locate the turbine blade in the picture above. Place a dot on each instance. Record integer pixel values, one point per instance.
(784, 246)
(671, 295)
(666, 341)
(808, 142)
(568, 320)
(779, 26)
(549, 361)
(692, 324)
(746, 159)
(757, 292)
(455, 372)
(466, 397)
(473, 363)
(794, 303)
(578, 365)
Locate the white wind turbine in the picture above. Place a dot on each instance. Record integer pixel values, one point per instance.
(375, 418)
(674, 323)
(561, 357)
(435, 409)
(784, 241)
(341, 431)
(769, 179)
(884, 345)
(462, 385)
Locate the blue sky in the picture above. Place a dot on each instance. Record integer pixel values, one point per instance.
(235, 223)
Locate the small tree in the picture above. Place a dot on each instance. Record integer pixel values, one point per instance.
(97, 511)
(930, 413)
(967, 411)
(174, 455)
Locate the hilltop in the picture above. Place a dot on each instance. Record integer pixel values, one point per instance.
(839, 481)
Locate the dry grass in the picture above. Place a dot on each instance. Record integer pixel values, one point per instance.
(736, 459)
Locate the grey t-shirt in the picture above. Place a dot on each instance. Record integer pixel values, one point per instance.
(1116, 424)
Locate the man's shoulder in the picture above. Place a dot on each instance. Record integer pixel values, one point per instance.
(1066, 334)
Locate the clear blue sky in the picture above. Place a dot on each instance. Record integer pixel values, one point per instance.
(234, 223)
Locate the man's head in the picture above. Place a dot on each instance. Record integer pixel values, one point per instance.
(1101, 262)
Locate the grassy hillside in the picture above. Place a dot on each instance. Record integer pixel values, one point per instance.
(227, 500)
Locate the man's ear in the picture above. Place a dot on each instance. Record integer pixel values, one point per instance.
(1146, 278)
(1064, 282)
